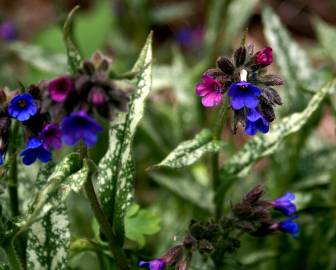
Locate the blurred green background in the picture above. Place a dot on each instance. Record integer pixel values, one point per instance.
(188, 37)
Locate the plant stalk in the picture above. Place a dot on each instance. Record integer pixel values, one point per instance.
(117, 251)
(12, 257)
(215, 163)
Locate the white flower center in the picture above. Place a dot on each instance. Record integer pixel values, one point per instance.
(243, 75)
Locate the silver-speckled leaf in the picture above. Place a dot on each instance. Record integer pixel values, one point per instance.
(189, 190)
(188, 152)
(292, 60)
(115, 172)
(56, 190)
(74, 56)
(38, 58)
(266, 144)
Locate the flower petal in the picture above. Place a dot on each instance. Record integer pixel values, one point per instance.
(212, 99)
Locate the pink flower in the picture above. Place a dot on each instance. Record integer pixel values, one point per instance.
(210, 90)
(264, 57)
(60, 88)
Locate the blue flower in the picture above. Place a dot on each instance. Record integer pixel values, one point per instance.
(35, 150)
(256, 122)
(22, 107)
(1, 159)
(79, 126)
(289, 226)
(7, 31)
(284, 204)
(156, 264)
(244, 94)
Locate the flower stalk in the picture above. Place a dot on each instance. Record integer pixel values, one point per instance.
(117, 252)
(215, 163)
(12, 256)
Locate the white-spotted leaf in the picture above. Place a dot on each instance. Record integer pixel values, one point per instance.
(115, 173)
(188, 152)
(265, 144)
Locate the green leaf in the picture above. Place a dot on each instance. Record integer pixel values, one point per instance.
(327, 37)
(4, 266)
(188, 152)
(115, 173)
(263, 145)
(293, 61)
(74, 56)
(234, 24)
(49, 238)
(140, 222)
(56, 190)
(38, 58)
(189, 190)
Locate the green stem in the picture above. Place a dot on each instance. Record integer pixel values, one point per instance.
(12, 179)
(221, 120)
(12, 256)
(117, 251)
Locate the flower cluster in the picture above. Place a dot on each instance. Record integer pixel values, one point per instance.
(62, 110)
(218, 237)
(254, 216)
(250, 90)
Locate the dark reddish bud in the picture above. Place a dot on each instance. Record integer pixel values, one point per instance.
(88, 67)
(173, 255)
(97, 97)
(254, 194)
(270, 80)
(205, 247)
(190, 242)
(239, 56)
(34, 91)
(264, 57)
(3, 97)
(271, 96)
(225, 65)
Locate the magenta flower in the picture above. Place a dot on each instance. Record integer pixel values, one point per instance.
(60, 88)
(264, 57)
(51, 136)
(210, 90)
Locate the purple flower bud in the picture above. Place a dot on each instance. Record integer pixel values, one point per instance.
(97, 97)
(156, 264)
(284, 204)
(51, 136)
(7, 31)
(264, 57)
(22, 107)
(210, 90)
(60, 88)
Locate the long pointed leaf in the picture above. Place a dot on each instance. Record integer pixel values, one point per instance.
(114, 173)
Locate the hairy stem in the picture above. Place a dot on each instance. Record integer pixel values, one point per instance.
(117, 251)
(221, 120)
(12, 176)
(12, 257)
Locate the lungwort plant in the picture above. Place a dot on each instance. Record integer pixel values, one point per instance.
(77, 129)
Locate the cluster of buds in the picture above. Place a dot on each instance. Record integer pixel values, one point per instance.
(62, 110)
(5, 123)
(250, 90)
(252, 215)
